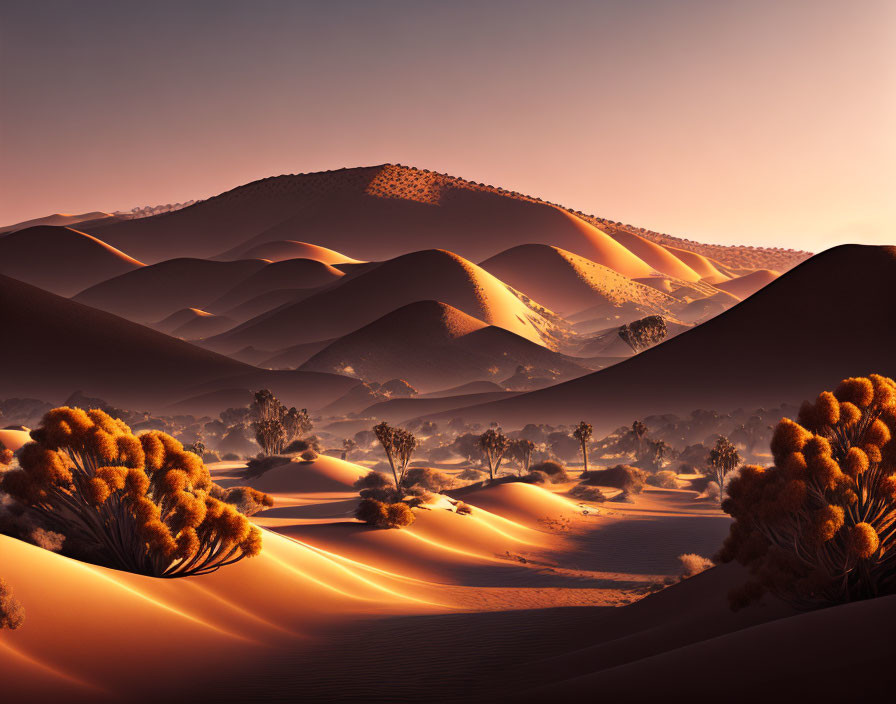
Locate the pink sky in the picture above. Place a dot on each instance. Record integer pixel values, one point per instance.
(746, 122)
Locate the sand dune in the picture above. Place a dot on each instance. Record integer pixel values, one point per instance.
(567, 283)
(799, 352)
(656, 256)
(265, 302)
(704, 267)
(13, 439)
(194, 324)
(279, 276)
(289, 249)
(359, 300)
(153, 292)
(744, 286)
(57, 220)
(325, 474)
(60, 259)
(397, 410)
(63, 346)
(432, 346)
(473, 387)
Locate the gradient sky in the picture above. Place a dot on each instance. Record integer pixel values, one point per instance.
(736, 122)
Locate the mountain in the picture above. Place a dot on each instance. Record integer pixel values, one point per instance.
(359, 300)
(567, 283)
(433, 346)
(57, 346)
(148, 294)
(383, 211)
(57, 219)
(60, 259)
(824, 320)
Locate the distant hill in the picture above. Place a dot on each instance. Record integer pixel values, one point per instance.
(61, 259)
(824, 320)
(434, 346)
(58, 220)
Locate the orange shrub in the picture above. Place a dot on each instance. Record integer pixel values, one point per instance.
(142, 503)
(12, 615)
(819, 527)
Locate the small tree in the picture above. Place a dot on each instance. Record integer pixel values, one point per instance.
(639, 430)
(198, 448)
(296, 424)
(270, 435)
(583, 433)
(723, 459)
(521, 450)
(141, 503)
(644, 333)
(493, 444)
(348, 445)
(399, 445)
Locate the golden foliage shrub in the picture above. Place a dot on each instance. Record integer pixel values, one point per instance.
(12, 615)
(385, 515)
(819, 527)
(142, 503)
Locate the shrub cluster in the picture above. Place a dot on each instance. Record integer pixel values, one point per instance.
(630, 479)
(384, 515)
(140, 503)
(819, 527)
(664, 479)
(12, 615)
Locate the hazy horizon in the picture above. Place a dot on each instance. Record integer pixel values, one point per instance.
(738, 123)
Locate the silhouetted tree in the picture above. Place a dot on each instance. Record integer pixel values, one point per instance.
(521, 451)
(723, 459)
(493, 444)
(639, 430)
(582, 433)
(399, 445)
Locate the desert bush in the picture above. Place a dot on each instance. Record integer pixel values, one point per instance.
(587, 493)
(6, 457)
(259, 465)
(664, 479)
(463, 509)
(246, 500)
(12, 615)
(309, 455)
(231, 457)
(471, 475)
(429, 479)
(819, 526)
(142, 504)
(377, 486)
(384, 515)
(692, 564)
(210, 456)
(630, 479)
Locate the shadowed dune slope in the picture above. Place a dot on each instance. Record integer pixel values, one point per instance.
(279, 250)
(282, 275)
(150, 293)
(63, 346)
(432, 345)
(744, 286)
(826, 319)
(427, 275)
(60, 259)
(655, 255)
(567, 283)
(57, 220)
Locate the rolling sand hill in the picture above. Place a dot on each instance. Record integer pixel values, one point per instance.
(282, 275)
(62, 346)
(427, 275)
(744, 286)
(57, 220)
(823, 320)
(567, 283)
(288, 249)
(60, 259)
(148, 294)
(383, 211)
(432, 346)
